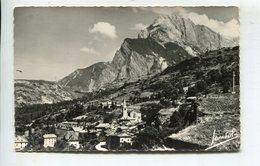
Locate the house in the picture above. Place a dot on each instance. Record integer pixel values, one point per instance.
(125, 138)
(91, 134)
(49, 140)
(114, 141)
(80, 117)
(185, 89)
(118, 103)
(73, 139)
(136, 116)
(77, 128)
(146, 95)
(20, 143)
(102, 126)
(66, 125)
(70, 124)
(165, 114)
(106, 103)
(27, 133)
(191, 99)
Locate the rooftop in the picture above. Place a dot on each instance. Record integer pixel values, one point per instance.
(124, 135)
(103, 125)
(72, 136)
(49, 136)
(168, 111)
(77, 129)
(20, 139)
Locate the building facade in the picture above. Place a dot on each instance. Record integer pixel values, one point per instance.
(20, 143)
(114, 141)
(49, 140)
(136, 116)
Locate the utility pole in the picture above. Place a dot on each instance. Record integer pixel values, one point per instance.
(233, 90)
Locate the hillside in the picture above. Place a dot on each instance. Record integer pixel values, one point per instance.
(205, 75)
(28, 92)
(210, 73)
(219, 114)
(167, 115)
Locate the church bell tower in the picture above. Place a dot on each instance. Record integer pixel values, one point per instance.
(125, 115)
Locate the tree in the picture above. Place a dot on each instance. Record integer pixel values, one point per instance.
(108, 117)
(226, 84)
(201, 85)
(150, 112)
(61, 145)
(213, 76)
(192, 91)
(147, 139)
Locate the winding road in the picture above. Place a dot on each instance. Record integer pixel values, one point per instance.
(99, 148)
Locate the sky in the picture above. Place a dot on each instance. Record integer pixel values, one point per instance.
(50, 43)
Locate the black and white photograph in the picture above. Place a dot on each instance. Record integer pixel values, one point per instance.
(126, 79)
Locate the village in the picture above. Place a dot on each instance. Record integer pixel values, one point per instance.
(111, 136)
(117, 133)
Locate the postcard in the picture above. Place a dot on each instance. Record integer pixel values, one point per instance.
(126, 79)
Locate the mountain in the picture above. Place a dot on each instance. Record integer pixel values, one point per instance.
(210, 73)
(194, 38)
(166, 42)
(29, 92)
(135, 58)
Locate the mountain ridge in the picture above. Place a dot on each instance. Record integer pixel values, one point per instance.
(167, 41)
(28, 92)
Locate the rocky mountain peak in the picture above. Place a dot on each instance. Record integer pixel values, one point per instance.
(167, 41)
(197, 38)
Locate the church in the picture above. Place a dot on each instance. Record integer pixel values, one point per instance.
(134, 115)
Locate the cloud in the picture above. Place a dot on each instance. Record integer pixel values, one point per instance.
(104, 28)
(228, 29)
(89, 50)
(97, 38)
(139, 26)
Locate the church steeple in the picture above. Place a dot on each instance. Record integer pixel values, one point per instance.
(125, 115)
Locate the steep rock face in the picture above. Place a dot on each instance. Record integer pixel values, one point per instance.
(135, 58)
(190, 36)
(140, 57)
(40, 92)
(89, 78)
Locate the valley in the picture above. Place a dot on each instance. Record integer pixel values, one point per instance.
(177, 109)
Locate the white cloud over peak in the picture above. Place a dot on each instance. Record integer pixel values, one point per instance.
(89, 50)
(228, 29)
(104, 28)
(139, 26)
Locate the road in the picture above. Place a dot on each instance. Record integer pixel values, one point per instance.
(99, 148)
